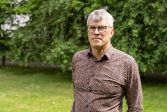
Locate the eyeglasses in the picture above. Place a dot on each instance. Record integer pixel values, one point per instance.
(101, 29)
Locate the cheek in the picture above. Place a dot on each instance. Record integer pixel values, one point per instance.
(106, 38)
(89, 36)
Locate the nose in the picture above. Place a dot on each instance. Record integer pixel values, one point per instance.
(96, 31)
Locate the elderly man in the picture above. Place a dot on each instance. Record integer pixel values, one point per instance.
(103, 75)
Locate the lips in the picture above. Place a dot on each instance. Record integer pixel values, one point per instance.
(96, 38)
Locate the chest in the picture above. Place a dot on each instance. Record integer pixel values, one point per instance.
(101, 77)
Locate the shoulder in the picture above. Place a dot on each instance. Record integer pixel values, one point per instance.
(80, 55)
(128, 62)
(123, 56)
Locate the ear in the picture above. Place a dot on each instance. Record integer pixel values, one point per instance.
(112, 31)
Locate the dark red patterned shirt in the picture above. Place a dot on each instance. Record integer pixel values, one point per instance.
(99, 86)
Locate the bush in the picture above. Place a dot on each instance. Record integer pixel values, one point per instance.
(57, 29)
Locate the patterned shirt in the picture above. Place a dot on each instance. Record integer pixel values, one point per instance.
(100, 85)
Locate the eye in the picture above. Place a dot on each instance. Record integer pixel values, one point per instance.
(92, 27)
(102, 28)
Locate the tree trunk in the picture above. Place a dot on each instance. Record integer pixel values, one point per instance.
(3, 60)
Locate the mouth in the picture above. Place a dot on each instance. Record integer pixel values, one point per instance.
(96, 38)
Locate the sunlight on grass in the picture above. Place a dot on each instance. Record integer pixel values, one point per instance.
(36, 90)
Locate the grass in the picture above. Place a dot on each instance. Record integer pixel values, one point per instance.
(34, 90)
(39, 90)
(155, 99)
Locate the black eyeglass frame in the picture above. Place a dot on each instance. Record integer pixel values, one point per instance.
(101, 29)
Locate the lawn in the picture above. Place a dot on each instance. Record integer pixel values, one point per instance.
(43, 90)
(34, 90)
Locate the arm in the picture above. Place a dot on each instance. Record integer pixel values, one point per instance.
(73, 66)
(133, 90)
(73, 105)
(72, 110)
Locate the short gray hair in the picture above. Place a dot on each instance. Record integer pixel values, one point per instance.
(99, 15)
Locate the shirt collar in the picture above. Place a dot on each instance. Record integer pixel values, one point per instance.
(107, 54)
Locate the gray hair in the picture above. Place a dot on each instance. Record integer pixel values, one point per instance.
(99, 15)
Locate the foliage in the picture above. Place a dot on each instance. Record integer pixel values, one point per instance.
(143, 33)
(58, 28)
(5, 13)
(60, 53)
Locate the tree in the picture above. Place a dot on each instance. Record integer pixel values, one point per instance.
(58, 28)
(7, 23)
(5, 13)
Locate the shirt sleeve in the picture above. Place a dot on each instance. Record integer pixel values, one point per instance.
(73, 105)
(73, 67)
(133, 89)
(72, 110)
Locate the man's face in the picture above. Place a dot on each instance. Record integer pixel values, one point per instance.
(99, 34)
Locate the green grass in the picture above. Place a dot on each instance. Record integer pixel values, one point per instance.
(34, 90)
(39, 90)
(155, 97)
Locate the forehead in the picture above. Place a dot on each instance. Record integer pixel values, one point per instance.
(97, 23)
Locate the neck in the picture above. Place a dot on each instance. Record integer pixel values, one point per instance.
(99, 52)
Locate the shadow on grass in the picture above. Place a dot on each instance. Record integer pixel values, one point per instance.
(21, 70)
(151, 78)
(154, 78)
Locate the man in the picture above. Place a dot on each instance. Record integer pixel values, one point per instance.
(103, 75)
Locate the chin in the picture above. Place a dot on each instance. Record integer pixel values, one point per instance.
(97, 46)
